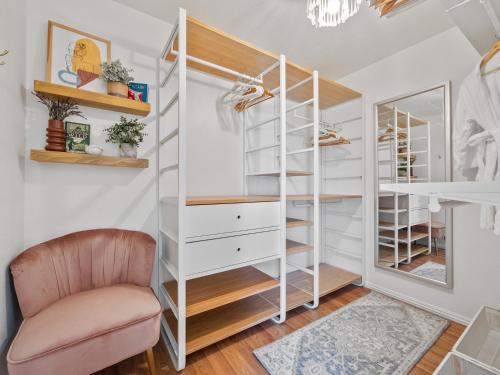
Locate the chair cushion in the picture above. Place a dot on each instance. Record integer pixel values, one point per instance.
(83, 316)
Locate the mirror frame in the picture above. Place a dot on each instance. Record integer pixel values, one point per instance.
(449, 175)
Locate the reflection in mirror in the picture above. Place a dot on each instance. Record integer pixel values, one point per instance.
(412, 146)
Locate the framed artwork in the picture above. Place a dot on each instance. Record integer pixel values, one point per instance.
(77, 136)
(74, 58)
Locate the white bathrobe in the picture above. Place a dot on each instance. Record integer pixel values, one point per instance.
(477, 131)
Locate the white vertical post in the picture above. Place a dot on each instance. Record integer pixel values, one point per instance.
(408, 175)
(158, 177)
(429, 179)
(283, 180)
(396, 195)
(316, 222)
(182, 137)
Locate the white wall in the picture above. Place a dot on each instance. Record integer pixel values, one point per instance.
(12, 37)
(64, 198)
(476, 253)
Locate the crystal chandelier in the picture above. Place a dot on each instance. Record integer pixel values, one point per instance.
(331, 12)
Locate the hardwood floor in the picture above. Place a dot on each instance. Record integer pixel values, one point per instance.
(234, 355)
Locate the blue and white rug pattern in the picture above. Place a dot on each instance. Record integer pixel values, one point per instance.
(373, 335)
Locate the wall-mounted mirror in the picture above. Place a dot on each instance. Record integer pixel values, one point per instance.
(413, 146)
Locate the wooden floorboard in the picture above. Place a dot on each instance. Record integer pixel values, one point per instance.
(234, 354)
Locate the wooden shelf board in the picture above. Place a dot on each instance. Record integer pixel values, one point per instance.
(386, 254)
(323, 197)
(220, 48)
(386, 115)
(75, 158)
(294, 247)
(293, 223)
(231, 199)
(403, 235)
(93, 99)
(209, 292)
(217, 324)
(300, 285)
(289, 173)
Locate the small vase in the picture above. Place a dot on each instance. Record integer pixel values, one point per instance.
(118, 89)
(56, 136)
(127, 150)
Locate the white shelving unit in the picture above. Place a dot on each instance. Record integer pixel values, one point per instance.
(226, 263)
(399, 212)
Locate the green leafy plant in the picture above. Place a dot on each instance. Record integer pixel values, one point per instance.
(116, 72)
(126, 131)
(59, 109)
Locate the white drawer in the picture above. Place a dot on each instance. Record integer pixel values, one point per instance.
(215, 219)
(209, 255)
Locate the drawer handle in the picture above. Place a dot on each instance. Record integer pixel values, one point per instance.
(238, 217)
(239, 248)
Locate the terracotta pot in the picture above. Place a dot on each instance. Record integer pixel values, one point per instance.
(56, 136)
(118, 89)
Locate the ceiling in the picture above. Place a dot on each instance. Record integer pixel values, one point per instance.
(280, 26)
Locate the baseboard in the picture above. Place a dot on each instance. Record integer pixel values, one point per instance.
(450, 315)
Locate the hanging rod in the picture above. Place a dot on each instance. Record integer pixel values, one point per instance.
(221, 68)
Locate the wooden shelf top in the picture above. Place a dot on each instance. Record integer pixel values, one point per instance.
(214, 325)
(386, 116)
(233, 199)
(93, 99)
(75, 158)
(209, 292)
(403, 235)
(386, 254)
(289, 173)
(292, 222)
(294, 247)
(218, 47)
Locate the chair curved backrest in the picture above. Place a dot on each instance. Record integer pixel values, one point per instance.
(81, 261)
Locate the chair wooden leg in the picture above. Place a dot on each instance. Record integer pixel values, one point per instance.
(151, 361)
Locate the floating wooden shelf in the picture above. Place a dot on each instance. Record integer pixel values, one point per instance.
(93, 99)
(294, 247)
(300, 285)
(289, 173)
(207, 43)
(214, 325)
(209, 292)
(74, 158)
(292, 223)
(386, 254)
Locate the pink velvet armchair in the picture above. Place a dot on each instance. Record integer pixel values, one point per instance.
(86, 303)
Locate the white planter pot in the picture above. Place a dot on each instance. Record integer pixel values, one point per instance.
(127, 150)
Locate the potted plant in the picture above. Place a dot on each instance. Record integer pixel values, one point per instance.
(59, 110)
(117, 77)
(128, 134)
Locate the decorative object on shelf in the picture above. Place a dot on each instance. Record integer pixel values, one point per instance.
(117, 77)
(331, 12)
(77, 137)
(59, 110)
(74, 58)
(128, 134)
(2, 54)
(138, 91)
(94, 150)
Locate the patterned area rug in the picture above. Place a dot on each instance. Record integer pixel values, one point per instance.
(373, 335)
(431, 270)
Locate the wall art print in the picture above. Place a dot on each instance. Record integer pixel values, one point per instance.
(74, 58)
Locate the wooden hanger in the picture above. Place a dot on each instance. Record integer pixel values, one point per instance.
(245, 104)
(389, 134)
(329, 137)
(495, 48)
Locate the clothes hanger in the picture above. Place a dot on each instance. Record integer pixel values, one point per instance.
(495, 48)
(265, 94)
(330, 137)
(389, 134)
